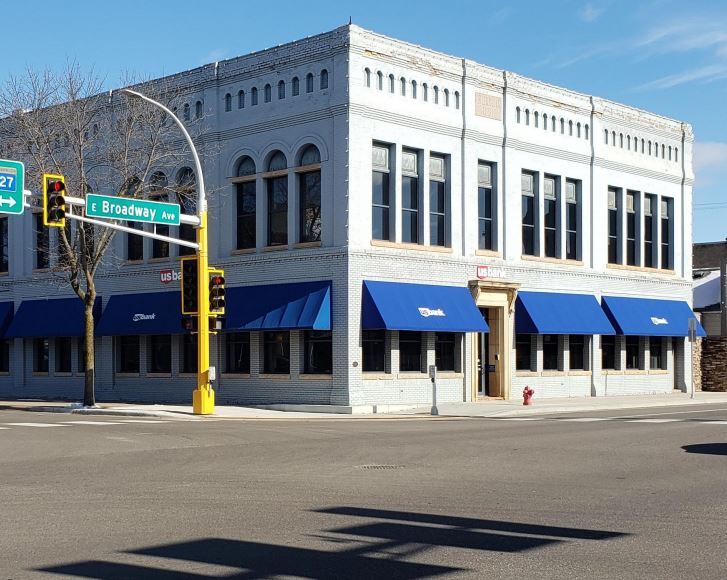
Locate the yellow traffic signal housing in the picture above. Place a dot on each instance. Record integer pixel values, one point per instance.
(190, 285)
(54, 204)
(217, 292)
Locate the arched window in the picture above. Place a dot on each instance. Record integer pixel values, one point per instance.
(578, 130)
(425, 91)
(309, 83)
(676, 153)
(663, 151)
(553, 123)
(281, 90)
(277, 162)
(157, 182)
(391, 83)
(245, 167)
(669, 152)
(296, 85)
(456, 99)
(649, 148)
(587, 135)
(605, 134)
(517, 114)
(621, 140)
(187, 198)
(628, 142)
(527, 116)
(545, 122)
(402, 82)
(228, 102)
(310, 156)
(562, 126)
(536, 118)
(446, 97)
(380, 80)
(570, 128)
(643, 145)
(253, 96)
(268, 93)
(367, 77)
(95, 132)
(413, 89)
(241, 100)
(436, 95)
(186, 111)
(613, 138)
(324, 79)
(198, 109)
(656, 149)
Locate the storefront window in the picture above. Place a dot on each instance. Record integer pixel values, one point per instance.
(160, 353)
(318, 351)
(577, 348)
(238, 353)
(4, 356)
(374, 351)
(632, 352)
(410, 351)
(656, 352)
(276, 353)
(550, 352)
(40, 355)
(128, 354)
(189, 354)
(523, 352)
(608, 352)
(63, 350)
(444, 351)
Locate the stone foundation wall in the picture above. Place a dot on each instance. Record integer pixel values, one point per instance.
(697, 363)
(714, 364)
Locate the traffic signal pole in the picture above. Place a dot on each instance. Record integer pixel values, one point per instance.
(203, 398)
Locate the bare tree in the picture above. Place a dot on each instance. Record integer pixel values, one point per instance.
(102, 142)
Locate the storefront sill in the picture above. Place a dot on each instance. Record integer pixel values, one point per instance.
(242, 251)
(413, 375)
(449, 375)
(280, 248)
(304, 245)
(159, 375)
(4, 374)
(127, 375)
(312, 377)
(611, 372)
(57, 374)
(275, 377)
(159, 260)
(235, 375)
(553, 374)
(187, 375)
(629, 268)
(377, 376)
(526, 374)
(3, 274)
(658, 372)
(636, 372)
(488, 253)
(38, 374)
(579, 373)
(133, 262)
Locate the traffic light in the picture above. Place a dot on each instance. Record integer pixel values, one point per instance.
(54, 204)
(217, 292)
(190, 285)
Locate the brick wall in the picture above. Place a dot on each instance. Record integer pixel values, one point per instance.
(714, 364)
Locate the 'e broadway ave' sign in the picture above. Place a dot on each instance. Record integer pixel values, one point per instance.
(136, 210)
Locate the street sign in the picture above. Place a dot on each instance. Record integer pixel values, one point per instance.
(692, 330)
(134, 210)
(12, 181)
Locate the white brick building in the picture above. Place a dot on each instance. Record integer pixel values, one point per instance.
(432, 170)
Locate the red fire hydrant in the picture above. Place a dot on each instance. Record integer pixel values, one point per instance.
(528, 396)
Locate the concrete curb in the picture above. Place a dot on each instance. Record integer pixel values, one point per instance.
(101, 411)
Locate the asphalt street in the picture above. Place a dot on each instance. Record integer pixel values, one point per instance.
(628, 494)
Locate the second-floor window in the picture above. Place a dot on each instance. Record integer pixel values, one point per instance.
(667, 243)
(410, 197)
(437, 201)
(3, 244)
(650, 230)
(632, 218)
(380, 194)
(134, 243)
(613, 225)
(42, 243)
(277, 197)
(485, 207)
(550, 216)
(187, 197)
(572, 219)
(309, 187)
(528, 213)
(246, 204)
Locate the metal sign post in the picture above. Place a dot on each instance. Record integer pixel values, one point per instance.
(433, 377)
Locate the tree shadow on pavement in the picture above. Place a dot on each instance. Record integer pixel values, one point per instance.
(707, 448)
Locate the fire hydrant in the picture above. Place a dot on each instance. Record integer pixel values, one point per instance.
(528, 396)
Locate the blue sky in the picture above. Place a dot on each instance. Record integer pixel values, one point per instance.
(666, 56)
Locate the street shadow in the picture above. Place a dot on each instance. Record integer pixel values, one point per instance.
(707, 448)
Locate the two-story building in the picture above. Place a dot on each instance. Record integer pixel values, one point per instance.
(378, 208)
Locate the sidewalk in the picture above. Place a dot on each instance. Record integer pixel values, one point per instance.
(488, 408)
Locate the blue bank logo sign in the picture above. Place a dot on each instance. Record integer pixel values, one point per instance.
(427, 312)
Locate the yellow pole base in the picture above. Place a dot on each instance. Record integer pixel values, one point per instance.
(203, 401)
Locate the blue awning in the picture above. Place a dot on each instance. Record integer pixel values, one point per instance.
(304, 305)
(558, 313)
(397, 306)
(147, 313)
(6, 315)
(649, 316)
(48, 318)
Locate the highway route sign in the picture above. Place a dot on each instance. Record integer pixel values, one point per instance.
(12, 181)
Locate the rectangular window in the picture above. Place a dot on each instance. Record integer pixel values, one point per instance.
(445, 349)
(657, 360)
(437, 202)
(188, 363)
(613, 225)
(237, 353)
(81, 344)
(3, 245)
(160, 353)
(380, 194)
(63, 354)
(410, 351)
(550, 216)
(4, 356)
(276, 353)
(608, 352)
(128, 354)
(310, 206)
(572, 219)
(277, 210)
(631, 227)
(486, 208)
(246, 208)
(667, 258)
(649, 231)
(410, 198)
(523, 352)
(318, 352)
(577, 352)
(40, 354)
(134, 243)
(188, 234)
(160, 248)
(374, 351)
(528, 216)
(632, 352)
(42, 243)
(550, 352)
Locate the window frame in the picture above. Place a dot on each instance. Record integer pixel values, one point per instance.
(158, 362)
(486, 188)
(323, 339)
(529, 197)
(371, 342)
(124, 346)
(381, 171)
(242, 363)
(41, 355)
(411, 360)
(63, 355)
(411, 204)
(269, 339)
(439, 186)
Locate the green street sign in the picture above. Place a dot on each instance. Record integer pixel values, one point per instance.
(12, 182)
(129, 209)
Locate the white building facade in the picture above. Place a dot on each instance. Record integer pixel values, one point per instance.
(379, 208)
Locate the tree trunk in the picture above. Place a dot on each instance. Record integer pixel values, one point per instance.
(89, 388)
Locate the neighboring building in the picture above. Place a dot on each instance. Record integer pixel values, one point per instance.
(378, 208)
